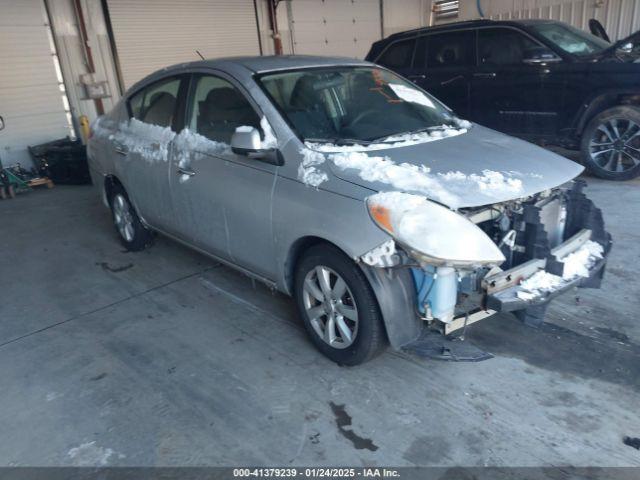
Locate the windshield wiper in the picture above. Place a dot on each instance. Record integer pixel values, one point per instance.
(341, 142)
(413, 132)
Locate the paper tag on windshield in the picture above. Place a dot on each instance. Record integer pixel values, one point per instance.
(411, 95)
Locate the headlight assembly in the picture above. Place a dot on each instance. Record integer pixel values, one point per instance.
(432, 233)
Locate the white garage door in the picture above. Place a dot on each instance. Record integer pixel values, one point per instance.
(151, 34)
(335, 27)
(31, 101)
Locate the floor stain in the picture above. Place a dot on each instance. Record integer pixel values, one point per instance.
(428, 451)
(108, 268)
(343, 420)
(632, 442)
(616, 335)
(98, 377)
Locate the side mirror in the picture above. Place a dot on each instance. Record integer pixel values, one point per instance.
(626, 47)
(246, 141)
(1, 123)
(540, 55)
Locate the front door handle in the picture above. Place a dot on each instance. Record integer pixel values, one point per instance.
(121, 149)
(485, 74)
(184, 171)
(415, 78)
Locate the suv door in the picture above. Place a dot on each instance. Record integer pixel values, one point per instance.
(144, 143)
(221, 200)
(450, 57)
(509, 94)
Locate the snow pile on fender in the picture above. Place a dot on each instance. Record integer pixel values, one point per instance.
(308, 171)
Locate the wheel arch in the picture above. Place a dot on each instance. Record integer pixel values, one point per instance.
(295, 253)
(393, 289)
(110, 182)
(602, 102)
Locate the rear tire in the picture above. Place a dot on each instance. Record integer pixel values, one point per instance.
(338, 306)
(610, 143)
(133, 234)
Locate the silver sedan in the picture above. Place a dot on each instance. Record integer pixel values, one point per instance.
(336, 181)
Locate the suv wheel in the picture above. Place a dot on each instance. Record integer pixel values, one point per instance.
(611, 144)
(338, 307)
(133, 234)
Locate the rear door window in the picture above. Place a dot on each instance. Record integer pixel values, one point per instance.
(452, 49)
(156, 104)
(398, 54)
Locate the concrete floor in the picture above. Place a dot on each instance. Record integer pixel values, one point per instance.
(165, 358)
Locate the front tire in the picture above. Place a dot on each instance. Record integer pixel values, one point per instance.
(133, 234)
(338, 306)
(610, 144)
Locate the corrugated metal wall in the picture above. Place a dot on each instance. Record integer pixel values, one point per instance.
(31, 101)
(334, 27)
(620, 18)
(151, 34)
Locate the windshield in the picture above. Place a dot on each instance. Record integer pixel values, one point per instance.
(352, 104)
(570, 39)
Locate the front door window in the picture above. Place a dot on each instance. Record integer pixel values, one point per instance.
(218, 108)
(503, 46)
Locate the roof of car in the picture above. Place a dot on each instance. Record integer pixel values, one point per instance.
(466, 24)
(271, 63)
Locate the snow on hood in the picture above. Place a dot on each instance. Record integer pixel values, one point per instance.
(478, 168)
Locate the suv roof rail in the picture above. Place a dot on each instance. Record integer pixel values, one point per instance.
(442, 26)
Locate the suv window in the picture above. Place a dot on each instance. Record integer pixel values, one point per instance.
(453, 49)
(156, 104)
(398, 54)
(218, 108)
(503, 46)
(420, 56)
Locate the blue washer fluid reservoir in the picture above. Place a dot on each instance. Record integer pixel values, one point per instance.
(438, 287)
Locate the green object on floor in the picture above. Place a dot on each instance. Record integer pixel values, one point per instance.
(18, 183)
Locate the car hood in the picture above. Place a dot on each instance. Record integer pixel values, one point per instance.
(614, 52)
(479, 167)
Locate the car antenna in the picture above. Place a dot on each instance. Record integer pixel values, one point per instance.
(199, 54)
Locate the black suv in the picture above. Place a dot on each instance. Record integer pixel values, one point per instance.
(541, 80)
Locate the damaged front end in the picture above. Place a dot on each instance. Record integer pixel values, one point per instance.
(541, 246)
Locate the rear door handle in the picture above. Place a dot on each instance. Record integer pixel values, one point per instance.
(485, 74)
(415, 78)
(184, 171)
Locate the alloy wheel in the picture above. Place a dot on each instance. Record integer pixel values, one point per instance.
(615, 145)
(123, 217)
(330, 307)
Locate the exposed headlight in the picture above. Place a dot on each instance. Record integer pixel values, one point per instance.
(432, 233)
